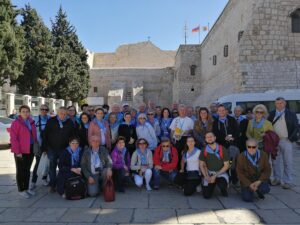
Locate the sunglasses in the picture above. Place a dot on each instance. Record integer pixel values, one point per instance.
(45, 110)
(252, 147)
(142, 143)
(175, 112)
(150, 114)
(259, 112)
(165, 146)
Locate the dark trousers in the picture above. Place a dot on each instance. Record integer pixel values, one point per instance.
(170, 176)
(208, 190)
(34, 172)
(248, 195)
(189, 185)
(53, 156)
(179, 145)
(23, 170)
(120, 178)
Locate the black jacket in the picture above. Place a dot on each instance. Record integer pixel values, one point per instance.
(291, 123)
(128, 131)
(221, 130)
(58, 138)
(83, 135)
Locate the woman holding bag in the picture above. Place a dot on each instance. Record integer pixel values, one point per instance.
(22, 137)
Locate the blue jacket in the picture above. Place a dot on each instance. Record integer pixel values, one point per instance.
(147, 132)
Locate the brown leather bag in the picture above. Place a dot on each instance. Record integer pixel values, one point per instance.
(109, 191)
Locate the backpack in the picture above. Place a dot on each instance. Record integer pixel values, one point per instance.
(205, 153)
(75, 188)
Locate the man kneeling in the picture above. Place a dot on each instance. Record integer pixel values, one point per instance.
(165, 162)
(254, 171)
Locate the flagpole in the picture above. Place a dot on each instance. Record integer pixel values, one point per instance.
(199, 34)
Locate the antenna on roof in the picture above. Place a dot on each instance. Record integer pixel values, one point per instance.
(185, 30)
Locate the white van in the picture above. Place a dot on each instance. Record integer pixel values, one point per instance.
(249, 100)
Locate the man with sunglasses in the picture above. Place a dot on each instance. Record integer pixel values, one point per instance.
(254, 171)
(165, 162)
(40, 123)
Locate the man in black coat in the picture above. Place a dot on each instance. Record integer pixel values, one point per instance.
(242, 122)
(285, 124)
(58, 131)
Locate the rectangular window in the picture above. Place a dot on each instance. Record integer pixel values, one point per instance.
(226, 51)
(95, 89)
(296, 25)
(193, 70)
(214, 60)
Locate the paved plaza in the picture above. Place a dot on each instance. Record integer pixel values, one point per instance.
(166, 206)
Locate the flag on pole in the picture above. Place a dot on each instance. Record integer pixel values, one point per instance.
(205, 28)
(196, 29)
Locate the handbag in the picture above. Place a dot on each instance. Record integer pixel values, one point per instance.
(109, 191)
(75, 188)
(43, 167)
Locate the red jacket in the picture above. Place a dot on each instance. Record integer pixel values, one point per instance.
(158, 155)
(20, 136)
(94, 129)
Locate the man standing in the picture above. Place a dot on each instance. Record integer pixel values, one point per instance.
(242, 128)
(285, 124)
(58, 131)
(181, 127)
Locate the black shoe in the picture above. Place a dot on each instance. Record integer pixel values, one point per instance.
(260, 195)
(224, 192)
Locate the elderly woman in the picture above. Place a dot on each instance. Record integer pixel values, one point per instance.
(254, 171)
(142, 163)
(259, 125)
(96, 166)
(146, 131)
(69, 164)
(22, 137)
(121, 164)
(203, 125)
(100, 127)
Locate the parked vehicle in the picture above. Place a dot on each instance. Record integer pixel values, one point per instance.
(5, 124)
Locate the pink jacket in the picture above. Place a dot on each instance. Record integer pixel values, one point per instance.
(20, 136)
(94, 130)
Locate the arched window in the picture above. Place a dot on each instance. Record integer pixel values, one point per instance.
(296, 21)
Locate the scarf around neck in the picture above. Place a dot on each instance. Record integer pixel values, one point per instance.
(74, 156)
(215, 152)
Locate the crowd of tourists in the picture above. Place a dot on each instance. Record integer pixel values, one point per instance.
(193, 149)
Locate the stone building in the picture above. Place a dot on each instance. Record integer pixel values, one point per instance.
(254, 46)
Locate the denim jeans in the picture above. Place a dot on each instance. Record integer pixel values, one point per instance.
(248, 195)
(53, 156)
(170, 176)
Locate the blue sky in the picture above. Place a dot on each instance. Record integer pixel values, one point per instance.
(102, 25)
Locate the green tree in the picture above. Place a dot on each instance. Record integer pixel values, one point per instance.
(71, 71)
(11, 40)
(39, 54)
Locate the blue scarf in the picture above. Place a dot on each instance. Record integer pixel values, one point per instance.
(223, 120)
(278, 114)
(123, 152)
(95, 159)
(213, 152)
(187, 156)
(61, 121)
(75, 156)
(27, 123)
(113, 126)
(258, 125)
(240, 118)
(253, 160)
(166, 155)
(143, 156)
(100, 124)
(86, 125)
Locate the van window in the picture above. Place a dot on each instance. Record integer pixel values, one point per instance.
(294, 105)
(227, 105)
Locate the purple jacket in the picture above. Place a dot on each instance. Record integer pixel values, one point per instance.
(20, 136)
(117, 159)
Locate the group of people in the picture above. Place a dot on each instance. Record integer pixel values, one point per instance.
(190, 148)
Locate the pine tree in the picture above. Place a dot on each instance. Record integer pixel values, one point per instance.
(39, 54)
(71, 71)
(11, 40)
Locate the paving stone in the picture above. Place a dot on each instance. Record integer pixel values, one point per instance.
(47, 215)
(269, 202)
(284, 216)
(2, 210)
(291, 199)
(16, 214)
(115, 215)
(30, 223)
(54, 200)
(79, 215)
(13, 199)
(196, 216)
(7, 189)
(235, 201)
(198, 202)
(243, 216)
(172, 201)
(155, 216)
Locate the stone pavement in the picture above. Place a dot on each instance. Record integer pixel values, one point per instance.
(166, 206)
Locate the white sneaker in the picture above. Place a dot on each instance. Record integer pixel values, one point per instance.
(32, 186)
(45, 182)
(30, 192)
(148, 188)
(24, 194)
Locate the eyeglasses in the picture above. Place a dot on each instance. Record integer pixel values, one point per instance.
(142, 143)
(44, 110)
(165, 146)
(251, 147)
(74, 143)
(150, 114)
(259, 112)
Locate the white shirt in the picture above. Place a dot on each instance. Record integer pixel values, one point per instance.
(192, 162)
(183, 123)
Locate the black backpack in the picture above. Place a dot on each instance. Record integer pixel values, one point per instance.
(75, 188)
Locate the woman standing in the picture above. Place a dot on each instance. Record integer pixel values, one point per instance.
(99, 127)
(72, 114)
(83, 130)
(142, 164)
(203, 125)
(165, 123)
(127, 130)
(23, 136)
(259, 125)
(114, 126)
